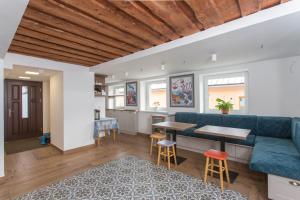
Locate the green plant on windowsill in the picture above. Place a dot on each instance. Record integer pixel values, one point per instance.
(224, 106)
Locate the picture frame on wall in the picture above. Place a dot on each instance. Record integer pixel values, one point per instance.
(131, 93)
(182, 91)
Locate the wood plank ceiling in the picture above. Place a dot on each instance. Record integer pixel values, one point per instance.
(90, 32)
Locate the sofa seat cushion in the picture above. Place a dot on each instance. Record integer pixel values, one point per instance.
(276, 145)
(279, 127)
(296, 132)
(275, 163)
(250, 141)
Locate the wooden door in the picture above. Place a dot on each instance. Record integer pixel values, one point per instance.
(23, 109)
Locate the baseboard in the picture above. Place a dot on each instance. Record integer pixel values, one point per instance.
(57, 148)
(83, 148)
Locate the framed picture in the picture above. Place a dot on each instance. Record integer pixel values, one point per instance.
(131, 94)
(182, 91)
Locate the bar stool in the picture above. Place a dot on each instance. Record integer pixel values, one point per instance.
(211, 155)
(166, 144)
(156, 137)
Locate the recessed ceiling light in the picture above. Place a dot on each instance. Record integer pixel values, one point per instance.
(214, 57)
(126, 74)
(162, 67)
(32, 73)
(24, 77)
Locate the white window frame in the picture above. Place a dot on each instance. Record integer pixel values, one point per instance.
(147, 86)
(225, 75)
(115, 88)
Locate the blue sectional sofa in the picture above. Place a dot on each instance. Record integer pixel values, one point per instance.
(275, 140)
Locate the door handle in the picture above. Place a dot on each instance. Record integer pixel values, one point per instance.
(9, 113)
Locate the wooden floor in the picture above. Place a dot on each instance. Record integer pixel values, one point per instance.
(31, 169)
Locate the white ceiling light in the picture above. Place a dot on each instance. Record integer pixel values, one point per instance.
(32, 73)
(126, 74)
(163, 67)
(24, 77)
(214, 57)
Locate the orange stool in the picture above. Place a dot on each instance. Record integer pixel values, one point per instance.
(212, 155)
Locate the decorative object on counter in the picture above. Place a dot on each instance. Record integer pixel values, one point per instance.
(182, 91)
(224, 106)
(97, 114)
(131, 94)
(104, 127)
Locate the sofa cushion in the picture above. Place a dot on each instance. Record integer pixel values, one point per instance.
(276, 145)
(296, 132)
(275, 163)
(186, 117)
(241, 121)
(279, 127)
(209, 119)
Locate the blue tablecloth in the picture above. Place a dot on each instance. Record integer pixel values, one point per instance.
(105, 124)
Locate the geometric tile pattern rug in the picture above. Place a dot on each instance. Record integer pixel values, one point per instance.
(131, 178)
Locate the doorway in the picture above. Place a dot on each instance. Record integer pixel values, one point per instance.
(23, 109)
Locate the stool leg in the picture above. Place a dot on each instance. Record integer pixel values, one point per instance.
(226, 171)
(174, 154)
(114, 135)
(221, 175)
(168, 153)
(151, 145)
(165, 156)
(206, 169)
(158, 157)
(212, 165)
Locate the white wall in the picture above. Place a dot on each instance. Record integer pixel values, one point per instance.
(100, 105)
(46, 106)
(78, 94)
(1, 119)
(57, 110)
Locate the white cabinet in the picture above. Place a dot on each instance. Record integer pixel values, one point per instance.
(127, 120)
(280, 188)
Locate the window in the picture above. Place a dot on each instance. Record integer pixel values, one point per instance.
(228, 87)
(116, 97)
(24, 102)
(156, 95)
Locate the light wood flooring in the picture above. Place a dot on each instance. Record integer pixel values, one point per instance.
(29, 170)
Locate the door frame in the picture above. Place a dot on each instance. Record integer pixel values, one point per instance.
(6, 104)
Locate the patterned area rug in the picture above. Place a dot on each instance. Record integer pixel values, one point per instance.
(131, 178)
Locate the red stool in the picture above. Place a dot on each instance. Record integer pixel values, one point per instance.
(212, 155)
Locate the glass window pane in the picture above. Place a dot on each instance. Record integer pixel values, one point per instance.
(24, 102)
(120, 91)
(110, 103)
(234, 93)
(158, 95)
(120, 101)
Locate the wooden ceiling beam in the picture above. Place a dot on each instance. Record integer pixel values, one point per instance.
(61, 24)
(178, 20)
(32, 52)
(140, 12)
(54, 51)
(36, 26)
(111, 15)
(248, 6)
(263, 4)
(42, 43)
(48, 38)
(69, 15)
(206, 12)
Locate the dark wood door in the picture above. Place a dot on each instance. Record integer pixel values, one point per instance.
(23, 109)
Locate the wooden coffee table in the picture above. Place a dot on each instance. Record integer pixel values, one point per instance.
(176, 126)
(223, 133)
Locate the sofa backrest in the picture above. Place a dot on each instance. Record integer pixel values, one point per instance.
(279, 127)
(296, 132)
(241, 121)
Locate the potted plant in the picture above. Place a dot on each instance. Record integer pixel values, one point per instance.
(224, 106)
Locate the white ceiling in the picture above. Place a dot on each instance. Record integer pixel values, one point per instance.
(271, 39)
(18, 71)
(10, 16)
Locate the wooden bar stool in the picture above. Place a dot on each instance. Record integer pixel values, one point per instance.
(212, 155)
(156, 137)
(166, 144)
